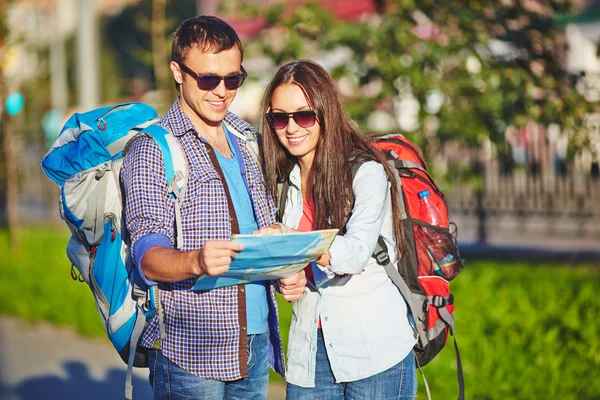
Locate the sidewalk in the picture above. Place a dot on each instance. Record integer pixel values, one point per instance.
(44, 362)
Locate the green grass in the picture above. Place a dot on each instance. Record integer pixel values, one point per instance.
(525, 331)
(36, 283)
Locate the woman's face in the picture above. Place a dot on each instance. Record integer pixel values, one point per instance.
(300, 142)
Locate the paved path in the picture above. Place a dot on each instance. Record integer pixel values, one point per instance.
(44, 362)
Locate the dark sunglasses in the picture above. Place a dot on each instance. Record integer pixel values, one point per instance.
(279, 120)
(211, 81)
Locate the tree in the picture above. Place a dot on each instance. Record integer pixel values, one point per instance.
(467, 69)
(138, 41)
(10, 163)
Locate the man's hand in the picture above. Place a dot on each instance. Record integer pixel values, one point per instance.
(216, 256)
(291, 288)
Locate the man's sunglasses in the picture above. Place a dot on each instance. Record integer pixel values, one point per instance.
(279, 120)
(211, 81)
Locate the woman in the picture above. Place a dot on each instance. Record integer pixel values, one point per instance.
(350, 337)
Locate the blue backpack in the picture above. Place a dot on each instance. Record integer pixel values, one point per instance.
(85, 161)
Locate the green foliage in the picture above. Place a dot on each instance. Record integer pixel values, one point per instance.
(484, 91)
(36, 284)
(127, 46)
(525, 331)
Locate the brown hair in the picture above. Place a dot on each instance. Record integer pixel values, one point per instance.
(340, 145)
(206, 32)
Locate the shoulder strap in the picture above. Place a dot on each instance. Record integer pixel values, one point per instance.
(250, 136)
(232, 138)
(282, 192)
(176, 170)
(382, 257)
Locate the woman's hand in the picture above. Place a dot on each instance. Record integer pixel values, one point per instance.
(292, 288)
(274, 229)
(324, 260)
(269, 230)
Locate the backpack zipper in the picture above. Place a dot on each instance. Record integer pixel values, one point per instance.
(103, 305)
(100, 120)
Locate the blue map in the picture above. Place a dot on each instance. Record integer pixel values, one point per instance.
(268, 257)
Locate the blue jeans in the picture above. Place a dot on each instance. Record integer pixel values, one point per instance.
(397, 382)
(170, 382)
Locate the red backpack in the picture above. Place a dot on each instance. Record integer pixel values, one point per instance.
(431, 257)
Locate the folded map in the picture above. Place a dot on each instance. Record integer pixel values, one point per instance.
(268, 257)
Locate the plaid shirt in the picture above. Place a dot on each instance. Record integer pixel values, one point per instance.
(205, 330)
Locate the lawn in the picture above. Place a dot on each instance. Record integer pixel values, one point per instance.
(525, 331)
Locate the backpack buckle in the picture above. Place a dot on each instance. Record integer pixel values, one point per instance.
(440, 301)
(381, 256)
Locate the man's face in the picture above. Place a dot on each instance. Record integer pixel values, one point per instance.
(207, 107)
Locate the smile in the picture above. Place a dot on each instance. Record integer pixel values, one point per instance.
(296, 140)
(216, 103)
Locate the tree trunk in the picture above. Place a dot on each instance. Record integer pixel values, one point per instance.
(12, 188)
(159, 46)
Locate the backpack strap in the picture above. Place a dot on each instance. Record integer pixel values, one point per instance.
(282, 192)
(440, 302)
(459, 372)
(381, 255)
(398, 164)
(140, 323)
(401, 206)
(176, 170)
(251, 137)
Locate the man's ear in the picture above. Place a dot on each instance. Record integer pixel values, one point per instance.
(177, 75)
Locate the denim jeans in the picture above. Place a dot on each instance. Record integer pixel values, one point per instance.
(397, 382)
(170, 382)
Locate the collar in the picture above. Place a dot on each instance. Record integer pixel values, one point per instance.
(294, 178)
(176, 121)
(179, 124)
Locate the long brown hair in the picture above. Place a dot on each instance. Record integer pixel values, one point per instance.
(340, 145)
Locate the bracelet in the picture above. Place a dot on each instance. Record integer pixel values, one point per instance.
(284, 228)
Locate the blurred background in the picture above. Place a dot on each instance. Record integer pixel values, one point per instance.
(501, 96)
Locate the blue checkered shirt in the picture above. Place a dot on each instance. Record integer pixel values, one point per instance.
(205, 330)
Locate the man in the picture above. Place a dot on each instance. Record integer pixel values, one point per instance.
(217, 343)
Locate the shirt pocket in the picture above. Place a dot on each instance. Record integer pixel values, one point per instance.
(202, 174)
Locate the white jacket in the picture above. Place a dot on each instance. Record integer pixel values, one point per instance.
(363, 315)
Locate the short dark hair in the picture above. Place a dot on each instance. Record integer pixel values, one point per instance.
(208, 33)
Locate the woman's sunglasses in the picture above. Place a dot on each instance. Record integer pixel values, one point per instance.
(211, 81)
(279, 120)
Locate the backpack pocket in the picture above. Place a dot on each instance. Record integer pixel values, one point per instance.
(437, 251)
(88, 199)
(111, 285)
